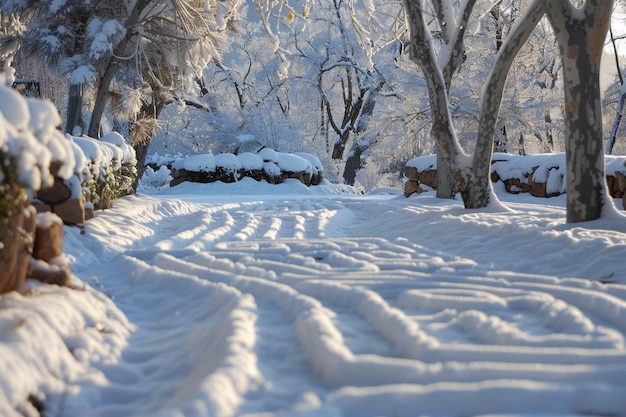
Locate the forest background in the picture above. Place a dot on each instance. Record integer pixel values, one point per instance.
(362, 108)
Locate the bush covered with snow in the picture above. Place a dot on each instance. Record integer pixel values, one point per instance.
(111, 164)
(155, 179)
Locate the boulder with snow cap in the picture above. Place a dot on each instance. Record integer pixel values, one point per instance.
(251, 165)
(228, 167)
(269, 165)
(294, 166)
(268, 155)
(317, 169)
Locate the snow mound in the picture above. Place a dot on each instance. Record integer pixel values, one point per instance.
(29, 137)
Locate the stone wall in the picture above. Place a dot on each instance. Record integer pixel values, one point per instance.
(16, 245)
(31, 246)
(539, 175)
(273, 167)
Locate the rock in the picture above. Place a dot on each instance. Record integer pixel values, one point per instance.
(178, 180)
(536, 189)
(429, 178)
(72, 212)
(16, 245)
(89, 211)
(412, 187)
(49, 273)
(515, 186)
(55, 168)
(256, 174)
(41, 207)
(610, 185)
(48, 237)
(410, 172)
(621, 181)
(59, 192)
(616, 184)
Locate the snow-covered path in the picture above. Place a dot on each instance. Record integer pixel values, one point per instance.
(350, 306)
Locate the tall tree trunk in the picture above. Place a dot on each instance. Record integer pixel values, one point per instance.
(549, 136)
(438, 80)
(353, 164)
(422, 53)
(581, 41)
(75, 109)
(142, 131)
(340, 144)
(111, 67)
(446, 183)
(361, 144)
(477, 192)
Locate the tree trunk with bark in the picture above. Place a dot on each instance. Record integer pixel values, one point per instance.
(581, 34)
(477, 191)
(422, 53)
(142, 131)
(110, 69)
(74, 115)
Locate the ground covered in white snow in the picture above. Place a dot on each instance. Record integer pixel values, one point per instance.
(253, 300)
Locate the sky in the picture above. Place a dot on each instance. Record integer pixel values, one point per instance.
(250, 299)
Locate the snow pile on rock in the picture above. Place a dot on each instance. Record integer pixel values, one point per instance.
(30, 142)
(541, 175)
(269, 165)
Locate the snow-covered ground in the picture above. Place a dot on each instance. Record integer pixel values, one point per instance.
(254, 300)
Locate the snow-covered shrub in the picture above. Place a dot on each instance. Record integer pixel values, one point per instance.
(200, 163)
(155, 180)
(112, 168)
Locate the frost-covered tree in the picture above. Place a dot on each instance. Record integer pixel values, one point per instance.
(580, 34)
(619, 88)
(48, 35)
(149, 50)
(330, 99)
(530, 117)
(346, 78)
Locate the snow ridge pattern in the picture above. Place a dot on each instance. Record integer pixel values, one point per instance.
(324, 306)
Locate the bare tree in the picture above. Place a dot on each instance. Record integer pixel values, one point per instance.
(619, 111)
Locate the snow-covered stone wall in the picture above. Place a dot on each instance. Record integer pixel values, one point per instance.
(541, 175)
(42, 170)
(269, 165)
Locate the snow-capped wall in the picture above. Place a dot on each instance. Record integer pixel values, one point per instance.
(269, 165)
(42, 170)
(541, 175)
(30, 141)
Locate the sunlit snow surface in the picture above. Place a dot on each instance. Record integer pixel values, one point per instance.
(254, 300)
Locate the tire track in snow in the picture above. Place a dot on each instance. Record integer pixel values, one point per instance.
(281, 356)
(195, 334)
(357, 316)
